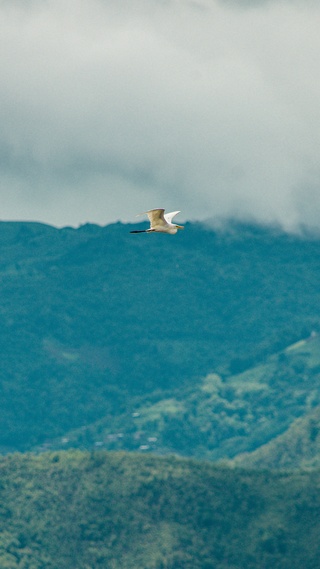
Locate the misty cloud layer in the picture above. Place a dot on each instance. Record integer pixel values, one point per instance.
(109, 108)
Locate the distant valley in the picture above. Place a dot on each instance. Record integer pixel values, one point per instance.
(226, 417)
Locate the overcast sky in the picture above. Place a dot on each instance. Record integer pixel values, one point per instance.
(112, 107)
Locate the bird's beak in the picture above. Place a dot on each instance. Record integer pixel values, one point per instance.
(179, 226)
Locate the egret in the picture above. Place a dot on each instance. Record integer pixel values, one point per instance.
(160, 222)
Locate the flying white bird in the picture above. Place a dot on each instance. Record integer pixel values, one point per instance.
(160, 222)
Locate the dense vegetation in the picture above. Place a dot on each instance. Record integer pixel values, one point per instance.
(98, 325)
(79, 510)
(205, 345)
(298, 447)
(220, 416)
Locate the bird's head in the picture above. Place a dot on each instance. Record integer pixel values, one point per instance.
(179, 226)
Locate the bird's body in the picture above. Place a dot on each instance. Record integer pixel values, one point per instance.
(160, 222)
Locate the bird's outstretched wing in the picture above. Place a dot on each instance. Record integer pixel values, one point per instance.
(156, 217)
(169, 216)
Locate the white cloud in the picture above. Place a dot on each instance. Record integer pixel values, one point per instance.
(109, 108)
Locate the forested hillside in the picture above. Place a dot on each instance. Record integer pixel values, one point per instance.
(81, 510)
(297, 447)
(98, 325)
(223, 416)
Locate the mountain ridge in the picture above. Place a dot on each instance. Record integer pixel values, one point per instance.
(94, 320)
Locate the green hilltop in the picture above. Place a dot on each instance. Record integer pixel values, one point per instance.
(298, 447)
(115, 510)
